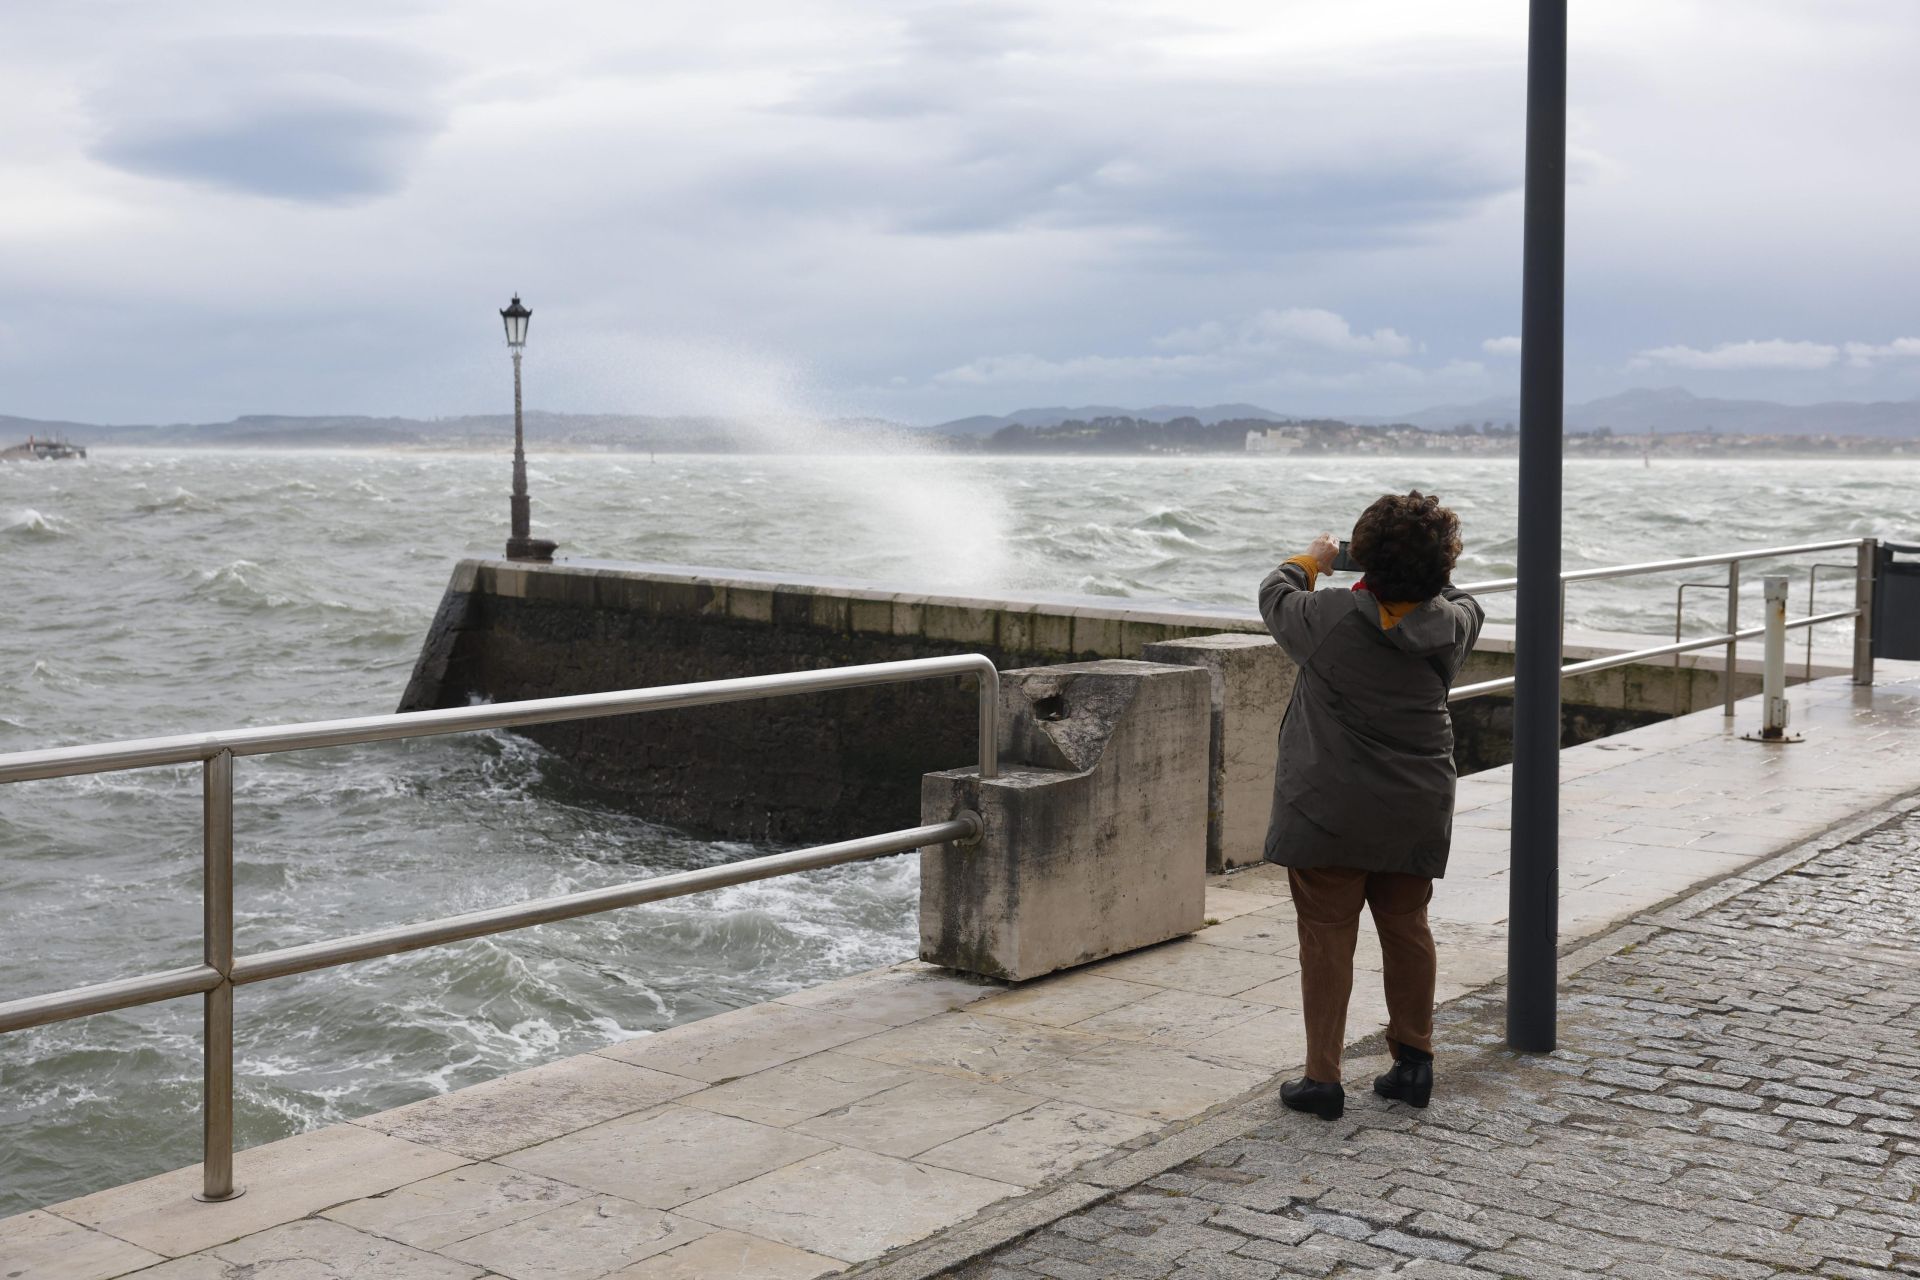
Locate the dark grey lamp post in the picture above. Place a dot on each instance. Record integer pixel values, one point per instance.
(520, 546)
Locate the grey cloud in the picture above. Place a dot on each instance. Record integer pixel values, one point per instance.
(306, 119)
(971, 140)
(1196, 207)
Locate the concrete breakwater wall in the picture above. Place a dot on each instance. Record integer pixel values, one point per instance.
(836, 765)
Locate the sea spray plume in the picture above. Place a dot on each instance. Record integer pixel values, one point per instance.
(903, 512)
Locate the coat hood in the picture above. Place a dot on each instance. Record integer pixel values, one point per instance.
(1434, 627)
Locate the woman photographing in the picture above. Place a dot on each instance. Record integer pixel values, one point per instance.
(1364, 789)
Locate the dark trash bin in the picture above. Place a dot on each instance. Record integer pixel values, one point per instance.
(1896, 602)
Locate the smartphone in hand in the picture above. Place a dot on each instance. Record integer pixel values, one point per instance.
(1343, 563)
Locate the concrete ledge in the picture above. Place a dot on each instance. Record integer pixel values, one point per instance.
(831, 766)
(1097, 846)
(1250, 681)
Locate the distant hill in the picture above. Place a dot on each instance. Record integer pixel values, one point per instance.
(627, 432)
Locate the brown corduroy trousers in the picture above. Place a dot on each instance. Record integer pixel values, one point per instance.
(1326, 903)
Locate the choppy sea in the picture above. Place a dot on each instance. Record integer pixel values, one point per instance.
(146, 592)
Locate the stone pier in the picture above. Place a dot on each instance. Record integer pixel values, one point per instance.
(832, 765)
(910, 1121)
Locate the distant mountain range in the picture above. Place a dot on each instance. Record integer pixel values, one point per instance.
(1636, 412)
(569, 430)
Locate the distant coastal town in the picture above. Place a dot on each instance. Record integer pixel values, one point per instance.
(1486, 439)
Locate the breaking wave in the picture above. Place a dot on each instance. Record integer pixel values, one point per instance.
(29, 523)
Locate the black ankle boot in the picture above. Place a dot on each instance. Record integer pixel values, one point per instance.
(1411, 1079)
(1328, 1101)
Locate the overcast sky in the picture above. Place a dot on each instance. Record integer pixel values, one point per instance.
(928, 210)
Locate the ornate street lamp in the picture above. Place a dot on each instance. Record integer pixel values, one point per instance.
(520, 546)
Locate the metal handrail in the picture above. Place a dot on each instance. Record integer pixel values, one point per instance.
(187, 748)
(1731, 586)
(221, 971)
(1813, 599)
(1497, 585)
(1591, 665)
(1861, 613)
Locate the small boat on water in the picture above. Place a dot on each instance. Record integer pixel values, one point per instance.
(39, 450)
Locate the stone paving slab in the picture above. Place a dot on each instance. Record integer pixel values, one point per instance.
(1736, 1093)
(735, 1256)
(850, 1204)
(284, 1181)
(772, 1134)
(469, 1201)
(518, 1110)
(318, 1248)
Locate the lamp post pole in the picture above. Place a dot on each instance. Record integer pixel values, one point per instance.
(1533, 916)
(521, 545)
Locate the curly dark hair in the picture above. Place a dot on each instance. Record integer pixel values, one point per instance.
(1407, 543)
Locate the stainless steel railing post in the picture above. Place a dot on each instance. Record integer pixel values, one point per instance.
(1733, 633)
(216, 892)
(1773, 679)
(989, 678)
(1865, 567)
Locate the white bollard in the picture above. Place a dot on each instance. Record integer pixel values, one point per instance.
(1773, 682)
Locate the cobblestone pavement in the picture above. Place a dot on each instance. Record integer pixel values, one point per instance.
(1737, 1095)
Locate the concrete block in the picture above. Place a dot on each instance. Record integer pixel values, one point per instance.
(961, 624)
(870, 616)
(505, 582)
(750, 604)
(1095, 842)
(792, 606)
(909, 615)
(1097, 632)
(1136, 634)
(830, 612)
(1251, 681)
(1050, 633)
(1016, 629)
(668, 598)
